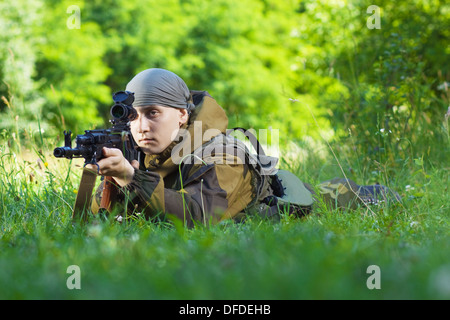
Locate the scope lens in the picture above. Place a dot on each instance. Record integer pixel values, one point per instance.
(123, 112)
(118, 111)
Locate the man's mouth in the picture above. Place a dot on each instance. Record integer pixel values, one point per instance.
(146, 140)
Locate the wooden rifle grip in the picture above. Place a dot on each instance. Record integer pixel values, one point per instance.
(109, 192)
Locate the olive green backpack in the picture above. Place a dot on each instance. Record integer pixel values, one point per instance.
(278, 191)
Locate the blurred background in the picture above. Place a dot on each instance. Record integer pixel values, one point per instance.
(381, 92)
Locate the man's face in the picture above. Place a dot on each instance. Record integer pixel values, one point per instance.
(156, 127)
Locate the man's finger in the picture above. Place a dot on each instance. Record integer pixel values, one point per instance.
(108, 152)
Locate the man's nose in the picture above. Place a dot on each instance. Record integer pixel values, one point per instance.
(143, 125)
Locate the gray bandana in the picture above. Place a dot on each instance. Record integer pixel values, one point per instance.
(160, 87)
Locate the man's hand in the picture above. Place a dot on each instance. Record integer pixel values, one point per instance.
(115, 165)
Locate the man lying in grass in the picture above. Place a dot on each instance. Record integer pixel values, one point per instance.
(193, 169)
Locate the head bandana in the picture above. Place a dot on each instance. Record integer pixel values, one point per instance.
(160, 87)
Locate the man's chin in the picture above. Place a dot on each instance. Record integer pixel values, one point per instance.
(150, 151)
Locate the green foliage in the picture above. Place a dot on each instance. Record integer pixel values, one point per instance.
(71, 70)
(243, 53)
(21, 101)
(397, 76)
(254, 57)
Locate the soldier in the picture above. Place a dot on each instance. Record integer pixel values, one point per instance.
(192, 169)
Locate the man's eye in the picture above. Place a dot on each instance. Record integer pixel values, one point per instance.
(152, 113)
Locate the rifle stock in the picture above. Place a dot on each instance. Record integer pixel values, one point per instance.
(109, 192)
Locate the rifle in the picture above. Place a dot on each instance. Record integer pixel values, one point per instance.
(90, 145)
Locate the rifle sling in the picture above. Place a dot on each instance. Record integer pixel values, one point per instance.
(84, 195)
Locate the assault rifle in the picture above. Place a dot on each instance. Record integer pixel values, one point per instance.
(90, 145)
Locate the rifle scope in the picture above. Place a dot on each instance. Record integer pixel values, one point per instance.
(123, 109)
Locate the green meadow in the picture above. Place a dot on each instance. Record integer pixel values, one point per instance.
(325, 255)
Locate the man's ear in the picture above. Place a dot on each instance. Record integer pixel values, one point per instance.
(184, 116)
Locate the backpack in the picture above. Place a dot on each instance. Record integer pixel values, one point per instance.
(278, 191)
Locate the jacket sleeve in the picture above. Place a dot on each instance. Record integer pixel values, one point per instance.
(209, 194)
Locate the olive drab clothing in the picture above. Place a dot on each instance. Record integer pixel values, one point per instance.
(208, 176)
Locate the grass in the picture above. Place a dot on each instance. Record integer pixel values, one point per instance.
(323, 256)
